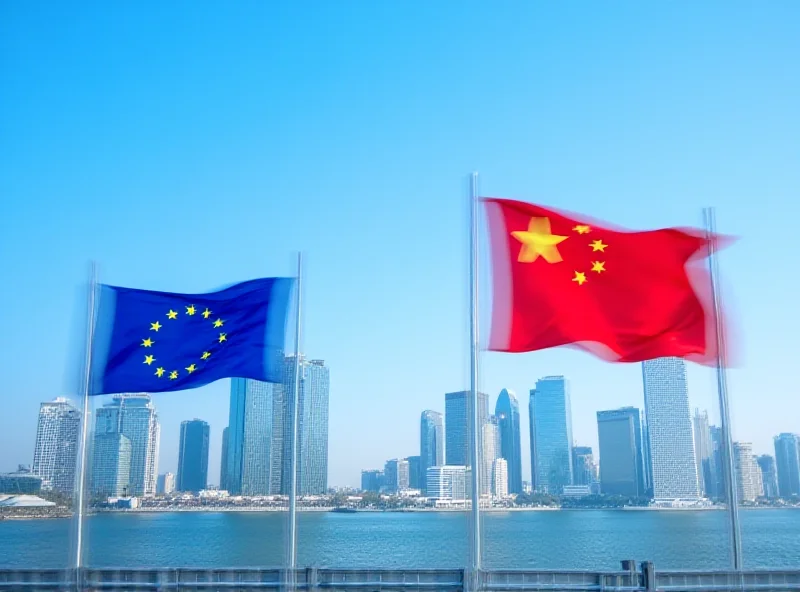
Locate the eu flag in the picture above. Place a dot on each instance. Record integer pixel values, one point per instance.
(158, 341)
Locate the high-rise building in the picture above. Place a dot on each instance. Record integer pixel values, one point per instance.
(704, 454)
(621, 464)
(413, 472)
(666, 402)
(371, 480)
(787, 459)
(717, 465)
(458, 425)
(769, 475)
(551, 435)
(56, 451)
(490, 452)
(193, 456)
(500, 478)
(583, 469)
(395, 474)
(747, 472)
(508, 421)
(312, 456)
(135, 417)
(450, 483)
(223, 467)
(111, 466)
(250, 443)
(165, 484)
(431, 444)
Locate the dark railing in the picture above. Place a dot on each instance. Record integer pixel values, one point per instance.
(401, 580)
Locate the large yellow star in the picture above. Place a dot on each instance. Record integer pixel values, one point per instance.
(155, 326)
(159, 372)
(598, 266)
(580, 277)
(598, 246)
(149, 360)
(190, 310)
(172, 314)
(147, 342)
(538, 240)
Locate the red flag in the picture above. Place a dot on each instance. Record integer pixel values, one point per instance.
(624, 296)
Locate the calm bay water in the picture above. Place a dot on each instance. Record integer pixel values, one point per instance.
(588, 539)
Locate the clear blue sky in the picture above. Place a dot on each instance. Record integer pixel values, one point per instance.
(189, 145)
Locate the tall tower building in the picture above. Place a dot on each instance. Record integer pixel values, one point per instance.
(787, 459)
(507, 412)
(165, 484)
(250, 437)
(666, 402)
(490, 452)
(748, 482)
(56, 450)
(703, 454)
(111, 466)
(223, 468)
(717, 464)
(458, 425)
(396, 475)
(135, 417)
(431, 444)
(193, 456)
(500, 478)
(769, 475)
(551, 435)
(413, 472)
(583, 470)
(621, 464)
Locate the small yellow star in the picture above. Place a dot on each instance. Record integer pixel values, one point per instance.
(155, 326)
(598, 266)
(205, 355)
(147, 342)
(580, 277)
(173, 375)
(191, 368)
(206, 313)
(598, 246)
(159, 372)
(218, 323)
(223, 337)
(582, 229)
(538, 241)
(149, 359)
(172, 314)
(190, 310)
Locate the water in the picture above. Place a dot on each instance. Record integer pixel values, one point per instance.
(582, 539)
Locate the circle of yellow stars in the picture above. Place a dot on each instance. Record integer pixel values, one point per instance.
(538, 241)
(172, 315)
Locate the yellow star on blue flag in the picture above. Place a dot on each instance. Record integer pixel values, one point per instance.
(149, 341)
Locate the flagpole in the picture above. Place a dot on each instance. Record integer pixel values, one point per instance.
(291, 551)
(83, 448)
(475, 435)
(722, 391)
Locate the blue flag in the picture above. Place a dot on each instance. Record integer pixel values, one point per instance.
(157, 341)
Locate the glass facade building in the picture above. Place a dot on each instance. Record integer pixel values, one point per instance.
(551, 435)
(583, 471)
(508, 421)
(621, 463)
(111, 467)
(666, 402)
(193, 456)
(457, 425)
(431, 444)
(787, 459)
(703, 454)
(56, 451)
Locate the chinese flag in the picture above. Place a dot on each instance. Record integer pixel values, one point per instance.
(624, 296)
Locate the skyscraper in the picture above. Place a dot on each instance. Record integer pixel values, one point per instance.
(703, 454)
(223, 468)
(621, 464)
(413, 472)
(747, 473)
(371, 480)
(551, 441)
(508, 421)
(787, 459)
(111, 466)
(135, 417)
(583, 472)
(56, 450)
(769, 475)
(396, 475)
(165, 484)
(500, 478)
(490, 452)
(717, 464)
(431, 444)
(193, 456)
(458, 425)
(250, 445)
(666, 402)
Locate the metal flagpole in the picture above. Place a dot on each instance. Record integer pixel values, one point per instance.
(722, 390)
(291, 551)
(475, 435)
(83, 448)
